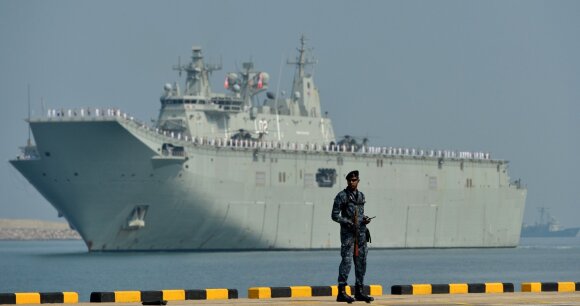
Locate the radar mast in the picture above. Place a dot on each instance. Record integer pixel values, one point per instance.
(304, 98)
(197, 81)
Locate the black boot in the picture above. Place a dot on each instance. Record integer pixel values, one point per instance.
(342, 296)
(360, 296)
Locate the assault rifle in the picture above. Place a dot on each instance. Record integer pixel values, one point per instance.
(356, 230)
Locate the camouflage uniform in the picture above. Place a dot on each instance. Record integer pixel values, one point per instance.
(343, 212)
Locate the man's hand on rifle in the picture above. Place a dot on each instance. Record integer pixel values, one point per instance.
(367, 220)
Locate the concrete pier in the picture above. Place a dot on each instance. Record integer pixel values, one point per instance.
(516, 298)
(557, 293)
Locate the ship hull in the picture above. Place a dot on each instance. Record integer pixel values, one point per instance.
(110, 180)
(545, 233)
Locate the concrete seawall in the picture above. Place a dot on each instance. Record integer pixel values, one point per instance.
(476, 293)
(515, 298)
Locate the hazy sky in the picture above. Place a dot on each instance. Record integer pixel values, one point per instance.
(493, 76)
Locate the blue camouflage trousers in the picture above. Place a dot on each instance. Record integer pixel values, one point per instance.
(347, 254)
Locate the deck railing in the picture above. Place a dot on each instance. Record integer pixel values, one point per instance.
(164, 135)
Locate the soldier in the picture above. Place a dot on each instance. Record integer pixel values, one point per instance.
(348, 210)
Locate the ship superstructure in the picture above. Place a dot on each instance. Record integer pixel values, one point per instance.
(228, 171)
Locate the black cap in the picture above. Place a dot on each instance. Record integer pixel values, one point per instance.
(352, 174)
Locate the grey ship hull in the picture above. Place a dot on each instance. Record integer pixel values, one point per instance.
(101, 172)
(544, 232)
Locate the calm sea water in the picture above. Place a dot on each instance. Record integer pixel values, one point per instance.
(44, 266)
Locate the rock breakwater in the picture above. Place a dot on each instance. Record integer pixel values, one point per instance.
(20, 229)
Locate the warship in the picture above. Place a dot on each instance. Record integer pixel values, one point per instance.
(547, 227)
(250, 169)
